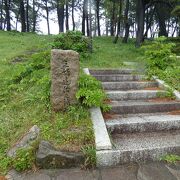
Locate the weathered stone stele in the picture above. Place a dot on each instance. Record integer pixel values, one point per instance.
(65, 73)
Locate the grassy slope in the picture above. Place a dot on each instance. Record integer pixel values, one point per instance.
(24, 103)
(24, 106)
(106, 54)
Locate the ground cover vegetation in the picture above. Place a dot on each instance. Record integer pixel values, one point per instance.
(25, 89)
(162, 62)
(25, 101)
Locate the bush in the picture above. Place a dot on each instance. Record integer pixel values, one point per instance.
(161, 62)
(71, 40)
(90, 92)
(158, 56)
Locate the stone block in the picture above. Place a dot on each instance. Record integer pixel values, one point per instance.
(65, 74)
(49, 157)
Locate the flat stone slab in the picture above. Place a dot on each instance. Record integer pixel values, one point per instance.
(134, 94)
(128, 85)
(143, 123)
(110, 71)
(153, 171)
(135, 171)
(134, 107)
(126, 172)
(117, 77)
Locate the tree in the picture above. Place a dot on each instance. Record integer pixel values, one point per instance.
(60, 14)
(98, 16)
(7, 10)
(46, 8)
(126, 22)
(140, 17)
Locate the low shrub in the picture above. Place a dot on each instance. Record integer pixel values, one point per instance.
(90, 92)
(72, 40)
(162, 62)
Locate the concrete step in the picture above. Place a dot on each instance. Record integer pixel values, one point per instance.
(111, 71)
(135, 147)
(128, 85)
(143, 123)
(118, 77)
(134, 94)
(135, 107)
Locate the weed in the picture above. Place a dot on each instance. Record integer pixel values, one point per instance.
(90, 92)
(171, 158)
(90, 156)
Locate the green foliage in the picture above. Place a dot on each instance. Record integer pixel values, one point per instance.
(109, 55)
(162, 62)
(158, 56)
(90, 156)
(171, 158)
(168, 94)
(90, 92)
(71, 40)
(25, 159)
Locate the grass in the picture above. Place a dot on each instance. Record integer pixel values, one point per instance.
(109, 55)
(25, 87)
(24, 98)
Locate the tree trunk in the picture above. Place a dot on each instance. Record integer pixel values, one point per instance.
(149, 21)
(47, 17)
(27, 15)
(67, 16)
(22, 16)
(84, 17)
(161, 20)
(34, 17)
(98, 17)
(73, 22)
(127, 26)
(119, 22)
(8, 18)
(140, 16)
(113, 19)
(1, 18)
(87, 20)
(90, 17)
(60, 13)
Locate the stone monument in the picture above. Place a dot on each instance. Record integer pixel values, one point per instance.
(65, 74)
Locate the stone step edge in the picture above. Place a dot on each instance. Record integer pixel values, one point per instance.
(108, 158)
(144, 124)
(102, 139)
(135, 94)
(163, 85)
(112, 71)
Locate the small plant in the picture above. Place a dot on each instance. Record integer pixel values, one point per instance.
(171, 158)
(24, 159)
(90, 93)
(72, 40)
(168, 94)
(90, 156)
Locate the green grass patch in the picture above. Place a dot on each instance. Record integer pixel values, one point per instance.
(106, 54)
(25, 101)
(171, 158)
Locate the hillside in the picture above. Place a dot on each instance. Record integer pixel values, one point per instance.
(25, 90)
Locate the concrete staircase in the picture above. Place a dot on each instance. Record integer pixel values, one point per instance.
(142, 126)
